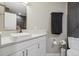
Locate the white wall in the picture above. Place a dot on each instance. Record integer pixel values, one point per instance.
(10, 21)
(1, 18)
(38, 17)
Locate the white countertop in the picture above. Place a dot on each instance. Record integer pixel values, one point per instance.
(8, 40)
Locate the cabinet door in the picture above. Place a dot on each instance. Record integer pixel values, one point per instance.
(28, 51)
(42, 46)
(32, 50)
(19, 53)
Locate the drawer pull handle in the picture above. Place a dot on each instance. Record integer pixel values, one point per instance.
(23, 53)
(26, 52)
(38, 45)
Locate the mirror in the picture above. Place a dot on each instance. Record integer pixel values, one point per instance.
(14, 15)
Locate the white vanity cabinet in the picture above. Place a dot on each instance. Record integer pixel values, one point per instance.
(33, 47)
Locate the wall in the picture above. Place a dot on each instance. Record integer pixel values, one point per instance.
(1, 18)
(73, 19)
(38, 17)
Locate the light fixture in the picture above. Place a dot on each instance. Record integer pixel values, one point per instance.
(25, 3)
(19, 13)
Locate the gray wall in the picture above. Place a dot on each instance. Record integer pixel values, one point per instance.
(39, 18)
(73, 19)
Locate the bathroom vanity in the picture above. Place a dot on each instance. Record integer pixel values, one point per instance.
(19, 44)
(34, 45)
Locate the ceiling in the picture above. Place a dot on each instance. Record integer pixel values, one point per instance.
(16, 7)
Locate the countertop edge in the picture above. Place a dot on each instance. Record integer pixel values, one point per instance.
(13, 43)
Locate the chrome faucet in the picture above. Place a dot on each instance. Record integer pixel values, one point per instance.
(19, 29)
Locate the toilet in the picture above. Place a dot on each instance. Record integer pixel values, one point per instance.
(74, 46)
